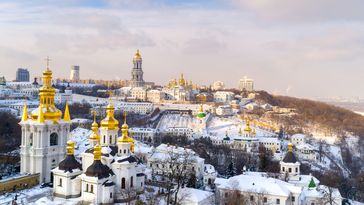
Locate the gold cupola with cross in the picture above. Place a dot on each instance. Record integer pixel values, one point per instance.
(125, 138)
(94, 137)
(109, 121)
(46, 99)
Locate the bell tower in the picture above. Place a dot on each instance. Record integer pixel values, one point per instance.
(137, 72)
(44, 133)
(109, 126)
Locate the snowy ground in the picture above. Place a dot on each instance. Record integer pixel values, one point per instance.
(219, 126)
(356, 202)
(177, 120)
(80, 137)
(27, 196)
(328, 138)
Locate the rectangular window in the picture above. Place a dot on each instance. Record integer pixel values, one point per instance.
(110, 195)
(278, 201)
(289, 170)
(293, 199)
(265, 200)
(60, 182)
(92, 188)
(86, 187)
(251, 198)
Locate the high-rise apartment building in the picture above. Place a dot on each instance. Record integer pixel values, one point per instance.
(75, 73)
(22, 75)
(246, 84)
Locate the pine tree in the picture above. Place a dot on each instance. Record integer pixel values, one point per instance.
(192, 181)
(230, 170)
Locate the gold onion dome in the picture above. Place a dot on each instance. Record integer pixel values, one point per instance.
(247, 127)
(137, 55)
(125, 135)
(46, 101)
(95, 130)
(109, 121)
(182, 81)
(69, 164)
(125, 126)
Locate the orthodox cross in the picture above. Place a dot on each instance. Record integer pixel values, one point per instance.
(48, 60)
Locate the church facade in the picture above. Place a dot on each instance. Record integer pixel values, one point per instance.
(44, 133)
(108, 172)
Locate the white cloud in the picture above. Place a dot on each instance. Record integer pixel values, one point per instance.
(314, 11)
(206, 44)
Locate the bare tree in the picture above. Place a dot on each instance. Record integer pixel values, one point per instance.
(329, 195)
(233, 195)
(151, 197)
(128, 194)
(175, 168)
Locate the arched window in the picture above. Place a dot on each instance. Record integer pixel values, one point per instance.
(123, 183)
(53, 140)
(131, 182)
(110, 139)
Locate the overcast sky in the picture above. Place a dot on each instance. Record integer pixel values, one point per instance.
(310, 48)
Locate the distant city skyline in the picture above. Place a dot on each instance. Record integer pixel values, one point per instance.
(309, 49)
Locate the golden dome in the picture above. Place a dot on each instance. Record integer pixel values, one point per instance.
(137, 55)
(46, 100)
(95, 129)
(109, 121)
(70, 148)
(248, 129)
(182, 81)
(97, 152)
(125, 134)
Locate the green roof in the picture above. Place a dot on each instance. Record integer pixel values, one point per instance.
(312, 184)
(227, 138)
(201, 115)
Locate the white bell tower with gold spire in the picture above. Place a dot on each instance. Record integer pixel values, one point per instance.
(44, 133)
(137, 72)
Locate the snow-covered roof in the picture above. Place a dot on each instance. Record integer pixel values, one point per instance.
(248, 183)
(165, 152)
(191, 195)
(142, 148)
(298, 136)
(269, 140)
(81, 120)
(305, 146)
(320, 192)
(209, 169)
